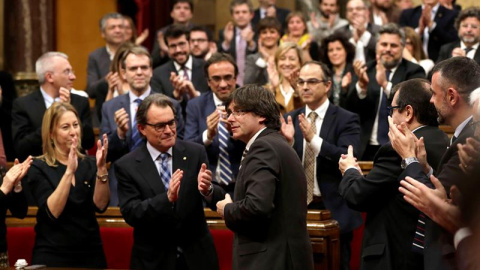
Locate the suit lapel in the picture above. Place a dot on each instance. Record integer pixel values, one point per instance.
(476, 57)
(180, 160)
(298, 137)
(148, 170)
(328, 121)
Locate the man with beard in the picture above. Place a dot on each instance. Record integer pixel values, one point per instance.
(468, 26)
(384, 11)
(370, 92)
(326, 22)
(202, 45)
(182, 76)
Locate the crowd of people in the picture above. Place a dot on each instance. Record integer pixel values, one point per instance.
(261, 125)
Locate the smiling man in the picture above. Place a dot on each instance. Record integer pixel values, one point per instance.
(372, 88)
(268, 214)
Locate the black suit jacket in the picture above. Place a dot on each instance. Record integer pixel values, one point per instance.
(281, 13)
(439, 250)
(27, 117)
(268, 214)
(370, 48)
(160, 226)
(340, 128)
(161, 76)
(443, 33)
(97, 68)
(391, 221)
(233, 45)
(367, 108)
(446, 52)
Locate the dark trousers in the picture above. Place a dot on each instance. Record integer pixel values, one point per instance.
(345, 250)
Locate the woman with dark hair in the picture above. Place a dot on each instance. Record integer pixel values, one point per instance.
(69, 188)
(297, 32)
(338, 53)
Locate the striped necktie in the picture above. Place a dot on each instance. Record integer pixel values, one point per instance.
(224, 157)
(164, 171)
(136, 138)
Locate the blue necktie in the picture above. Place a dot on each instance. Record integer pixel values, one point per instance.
(164, 171)
(382, 131)
(136, 138)
(224, 158)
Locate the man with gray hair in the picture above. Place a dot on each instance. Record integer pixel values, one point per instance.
(112, 30)
(55, 76)
(371, 90)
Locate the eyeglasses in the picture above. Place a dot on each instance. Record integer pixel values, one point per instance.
(391, 108)
(237, 113)
(199, 40)
(218, 79)
(135, 68)
(310, 82)
(474, 124)
(180, 45)
(160, 127)
(355, 9)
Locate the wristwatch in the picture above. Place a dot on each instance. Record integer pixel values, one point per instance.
(102, 177)
(407, 161)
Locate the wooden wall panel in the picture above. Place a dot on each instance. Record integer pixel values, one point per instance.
(77, 32)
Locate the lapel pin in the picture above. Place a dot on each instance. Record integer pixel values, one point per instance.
(85, 182)
(184, 158)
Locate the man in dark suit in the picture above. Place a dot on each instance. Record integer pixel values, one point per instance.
(320, 132)
(159, 198)
(206, 120)
(468, 26)
(390, 224)
(268, 8)
(359, 31)
(268, 214)
(111, 27)
(370, 93)
(238, 37)
(55, 76)
(434, 23)
(452, 82)
(182, 76)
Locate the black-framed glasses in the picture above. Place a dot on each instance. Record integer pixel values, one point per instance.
(474, 124)
(310, 82)
(237, 113)
(391, 108)
(160, 127)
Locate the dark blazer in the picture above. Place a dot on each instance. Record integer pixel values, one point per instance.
(27, 117)
(268, 214)
(443, 33)
(198, 109)
(160, 226)
(367, 108)
(439, 250)
(116, 147)
(340, 129)
(446, 52)
(391, 221)
(281, 13)
(161, 76)
(370, 54)
(233, 45)
(97, 68)
(253, 73)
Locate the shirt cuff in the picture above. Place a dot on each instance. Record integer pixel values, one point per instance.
(432, 28)
(461, 234)
(365, 38)
(350, 167)
(359, 91)
(316, 144)
(430, 172)
(261, 63)
(388, 89)
(205, 139)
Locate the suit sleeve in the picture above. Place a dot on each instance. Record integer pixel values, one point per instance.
(444, 53)
(93, 77)
(348, 135)
(253, 73)
(180, 120)
(134, 207)
(88, 138)
(25, 137)
(15, 202)
(259, 183)
(192, 127)
(116, 147)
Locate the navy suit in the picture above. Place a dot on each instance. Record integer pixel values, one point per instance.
(340, 129)
(198, 109)
(446, 52)
(161, 227)
(443, 33)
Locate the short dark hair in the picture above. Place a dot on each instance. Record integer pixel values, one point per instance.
(393, 29)
(467, 13)
(201, 28)
(416, 93)
(461, 73)
(340, 37)
(176, 31)
(268, 22)
(137, 50)
(111, 15)
(217, 58)
(258, 100)
(159, 100)
(327, 74)
(189, 2)
(235, 3)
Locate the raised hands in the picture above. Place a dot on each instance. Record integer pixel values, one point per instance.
(360, 70)
(287, 129)
(174, 186)
(306, 128)
(228, 33)
(64, 95)
(122, 121)
(13, 178)
(402, 139)
(72, 162)
(182, 86)
(101, 155)
(468, 153)
(204, 180)
(348, 160)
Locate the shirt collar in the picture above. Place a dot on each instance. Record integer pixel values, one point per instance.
(187, 64)
(132, 96)
(154, 153)
(460, 127)
(110, 53)
(217, 101)
(321, 111)
(250, 142)
(474, 46)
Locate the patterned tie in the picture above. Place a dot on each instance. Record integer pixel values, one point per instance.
(136, 138)
(382, 130)
(185, 73)
(164, 171)
(241, 55)
(245, 152)
(419, 237)
(224, 158)
(309, 160)
(467, 50)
